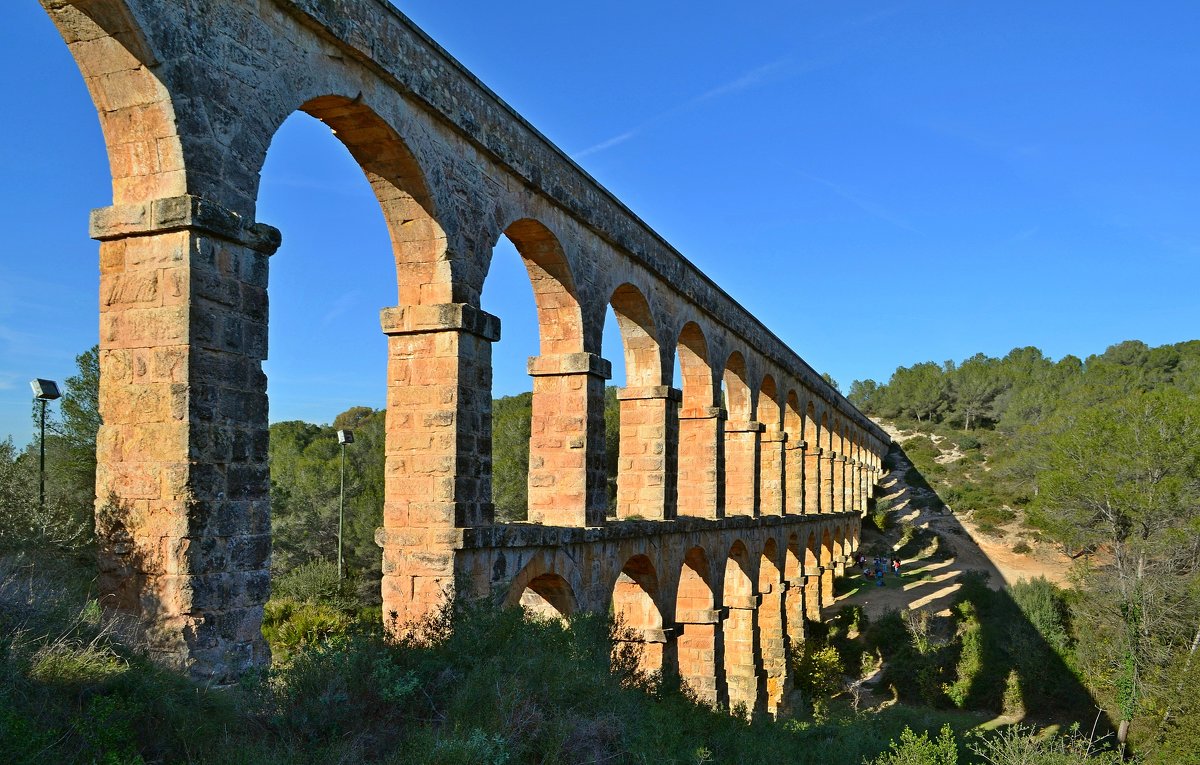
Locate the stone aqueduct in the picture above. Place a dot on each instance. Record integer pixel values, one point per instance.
(740, 490)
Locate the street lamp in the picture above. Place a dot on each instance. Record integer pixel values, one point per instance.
(344, 437)
(43, 391)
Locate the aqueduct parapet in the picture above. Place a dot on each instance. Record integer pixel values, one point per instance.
(739, 491)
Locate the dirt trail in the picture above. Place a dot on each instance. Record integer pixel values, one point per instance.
(944, 547)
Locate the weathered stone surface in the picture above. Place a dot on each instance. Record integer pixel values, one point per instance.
(745, 516)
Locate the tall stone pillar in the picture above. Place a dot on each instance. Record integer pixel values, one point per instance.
(702, 462)
(840, 484)
(699, 652)
(567, 473)
(741, 467)
(813, 480)
(771, 486)
(646, 479)
(864, 488)
(741, 652)
(828, 572)
(183, 516)
(828, 464)
(793, 471)
(793, 609)
(812, 592)
(438, 450)
(855, 471)
(774, 650)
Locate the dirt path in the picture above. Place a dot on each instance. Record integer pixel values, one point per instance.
(944, 546)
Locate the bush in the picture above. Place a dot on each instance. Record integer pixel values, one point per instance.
(1022, 548)
(913, 749)
(317, 582)
(994, 516)
(967, 443)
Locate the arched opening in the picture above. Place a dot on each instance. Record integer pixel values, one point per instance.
(793, 463)
(793, 576)
(547, 596)
(635, 608)
(812, 460)
(828, 565)
(771, 628)
(324, 317)
(698, 644)
(536, 474)
(740, 634)
(812, 578)
(700, 444)
(422, 477)
(741, 440)
(648, 432)
(772, 441)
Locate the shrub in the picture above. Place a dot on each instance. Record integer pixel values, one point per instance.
(1022, 548)
(995, 516)
(317, 582)
(913, 749)
(967, 443)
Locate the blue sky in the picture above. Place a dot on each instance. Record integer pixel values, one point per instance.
(881, 183)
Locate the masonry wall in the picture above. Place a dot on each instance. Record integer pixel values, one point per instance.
(189, 96)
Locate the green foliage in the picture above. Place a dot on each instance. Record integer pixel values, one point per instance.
(914, 749)
(1022, 548)
(967, 443)
(305, 486)
(511, 416)
(1020, 745)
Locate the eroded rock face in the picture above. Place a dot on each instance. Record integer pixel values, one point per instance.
(189, 96)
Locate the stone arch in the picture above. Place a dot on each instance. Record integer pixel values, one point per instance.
(544, 586)
(548, 596)
(136, 111)
(700, 489)
(698, 642)
(635, 607)
(812, 553)
(770, 624)
(697, 382)
(772, 443)
(560, 320)
(793, 462)
(769, 412)
(561, 487)
(741, 636)
(742, 440)
(639, 337)
(423, 272)
(793, 577)
(646, 460)
(736, 387)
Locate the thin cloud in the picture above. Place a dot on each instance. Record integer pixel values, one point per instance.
(340, 306)
(611, 142)
(746, 81)
(874, 210)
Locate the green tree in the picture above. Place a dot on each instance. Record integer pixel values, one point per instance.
(1125, 477)
(975, 384)
(511, 416)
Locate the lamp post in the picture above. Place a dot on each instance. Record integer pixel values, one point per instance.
(43, 391)
(344, 437)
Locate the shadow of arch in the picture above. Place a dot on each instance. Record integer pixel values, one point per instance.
(639, 620)
(770, 624)
(741, 655)
(699, 640)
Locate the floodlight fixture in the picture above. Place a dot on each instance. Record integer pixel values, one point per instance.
(344, 437)
(43, 391)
